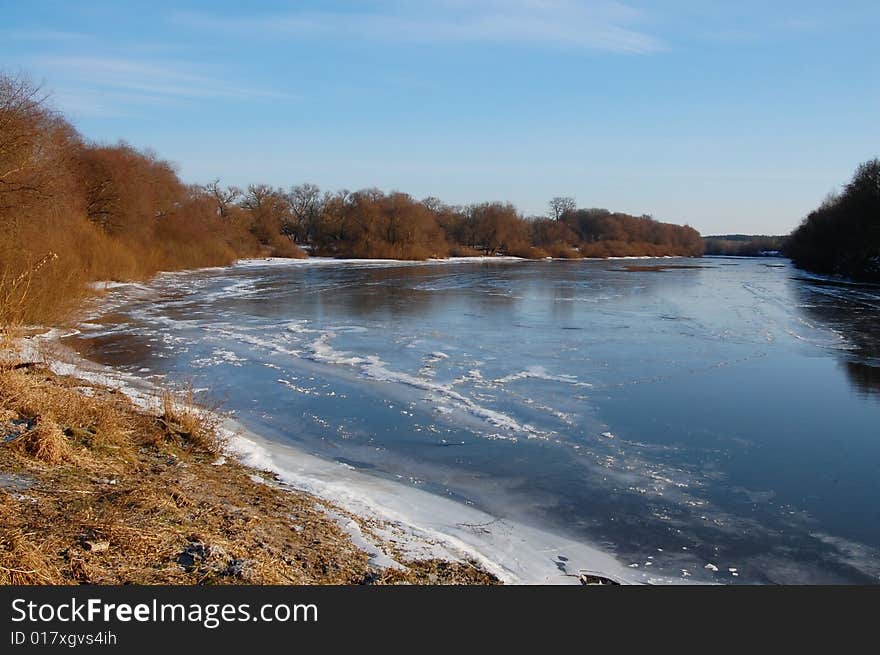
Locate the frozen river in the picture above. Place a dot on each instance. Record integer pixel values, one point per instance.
(702, 420)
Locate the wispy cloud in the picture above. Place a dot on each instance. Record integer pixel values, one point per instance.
(116, 86)
(568, 24)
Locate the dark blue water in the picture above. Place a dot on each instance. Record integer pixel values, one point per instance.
(724, 414)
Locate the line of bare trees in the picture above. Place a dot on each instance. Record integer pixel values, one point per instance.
(370, 223)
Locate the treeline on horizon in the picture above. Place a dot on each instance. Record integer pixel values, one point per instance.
(373, 224)
(743, 245)
(842, 236)
(74, 212)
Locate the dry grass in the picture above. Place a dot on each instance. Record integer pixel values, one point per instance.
(182, 416)
(96, 490)
(28, 280)
(93, 420)
(45, 441)
(21, 562)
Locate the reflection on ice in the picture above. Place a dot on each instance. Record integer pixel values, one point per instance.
(850, 311)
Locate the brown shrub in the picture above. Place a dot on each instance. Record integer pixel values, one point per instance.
(563, 251)
(73, 213)
(526, 251)
(45, 442)
(281, 246)
(183, 417)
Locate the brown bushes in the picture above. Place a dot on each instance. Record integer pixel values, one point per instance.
(563, 251)
(371, 224)
(280, 246)
(606, 234)
(526, 251)
(102, 212)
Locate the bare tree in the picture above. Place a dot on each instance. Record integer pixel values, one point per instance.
(560, 206)
(33, 143)
(305, 204)
(499, 228)
(224, 198)
(433, 204)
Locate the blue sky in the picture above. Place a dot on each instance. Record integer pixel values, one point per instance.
(732, 117)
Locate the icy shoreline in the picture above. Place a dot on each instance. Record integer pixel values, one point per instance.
(422, 524)
(479, 259)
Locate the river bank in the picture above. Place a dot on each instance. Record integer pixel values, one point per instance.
(108, 480)
(100, 487)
